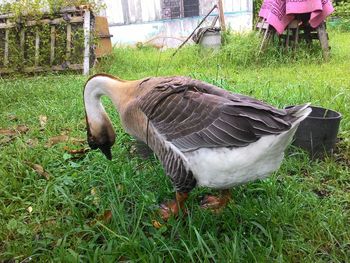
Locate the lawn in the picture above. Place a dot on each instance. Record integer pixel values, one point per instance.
(56, 205)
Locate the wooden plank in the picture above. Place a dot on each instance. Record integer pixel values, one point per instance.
(132, 11)
(101, 26)
(157, 8)
(265, 40)
(104, 45)
(294, 24)
(296, 38)
(103, 48)
(221, 15)
(182, 9)
(262, 25)
(6, 16)
(55, 21)
(6, 71)
(52, 44)
(287, 38)
(87, 18)
(63, 10)
(37, 47)
(54, 68)
(125, 7)
(138, 11)
(6, 48)
(22, 42)
(214, 21)
(69, 42)
(323, 37)
(302, 36)
(76, 19)
(7, 25)
(43, 69)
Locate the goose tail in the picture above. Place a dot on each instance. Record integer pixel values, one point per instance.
(299, 113)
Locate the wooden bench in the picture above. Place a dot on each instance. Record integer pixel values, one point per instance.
(296, 30)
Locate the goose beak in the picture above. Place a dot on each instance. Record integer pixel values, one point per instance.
(106, 150)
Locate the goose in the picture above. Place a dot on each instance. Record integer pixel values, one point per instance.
(203, 135)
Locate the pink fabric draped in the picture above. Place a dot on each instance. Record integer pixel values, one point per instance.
(279, 13)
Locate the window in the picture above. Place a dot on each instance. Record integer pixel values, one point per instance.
(191, 8)
(179, 8)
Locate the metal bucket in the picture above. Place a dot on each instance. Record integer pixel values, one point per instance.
(317, 134)
(211, 39)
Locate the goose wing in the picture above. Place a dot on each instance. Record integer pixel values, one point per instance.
(193, 114)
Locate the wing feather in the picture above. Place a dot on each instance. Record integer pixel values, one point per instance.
(193, 114)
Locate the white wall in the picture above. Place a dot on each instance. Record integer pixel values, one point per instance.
(145, 23)
(137, 11)
(171, 33)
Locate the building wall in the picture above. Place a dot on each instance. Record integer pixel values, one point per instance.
(123, 12)
(133, 21)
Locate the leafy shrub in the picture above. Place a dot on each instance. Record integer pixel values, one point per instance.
(256, 8)
(341, 17)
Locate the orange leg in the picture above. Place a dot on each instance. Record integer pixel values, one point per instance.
(173, 207)
(216, 203)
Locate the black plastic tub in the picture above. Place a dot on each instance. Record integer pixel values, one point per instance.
(317, 134)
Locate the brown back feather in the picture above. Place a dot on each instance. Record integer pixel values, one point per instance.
(193, 114)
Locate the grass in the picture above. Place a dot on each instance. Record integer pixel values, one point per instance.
(94, 210)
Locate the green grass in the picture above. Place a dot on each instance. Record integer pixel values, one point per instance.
(299, 214)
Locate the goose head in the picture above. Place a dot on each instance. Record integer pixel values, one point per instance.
(100, 132)
(100, 135)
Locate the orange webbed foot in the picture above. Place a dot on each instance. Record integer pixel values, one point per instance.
(172, 208)
(216, 203)
(168, 209)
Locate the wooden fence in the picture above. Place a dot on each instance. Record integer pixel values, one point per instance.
(47, 44)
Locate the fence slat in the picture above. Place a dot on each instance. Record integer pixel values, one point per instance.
(86, 42)
(22, 41)
(6, 48)
(56, 21)
(42, 69)
(37, 47)
(69, 41)
(52, 44)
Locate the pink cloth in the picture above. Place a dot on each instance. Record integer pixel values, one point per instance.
(279, 13)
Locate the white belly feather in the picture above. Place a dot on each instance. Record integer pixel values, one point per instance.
(224, 167)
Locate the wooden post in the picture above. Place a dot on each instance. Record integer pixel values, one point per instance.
(322, 36)
(221, 15)
(307, 33)
(6, 48)
(37, 45)
(86, 42)
(69, 42)
(265, 39)
(52, 44)
(214, 21)
(296, 39)
(22, 42)
(262, 25)
(182, 9)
